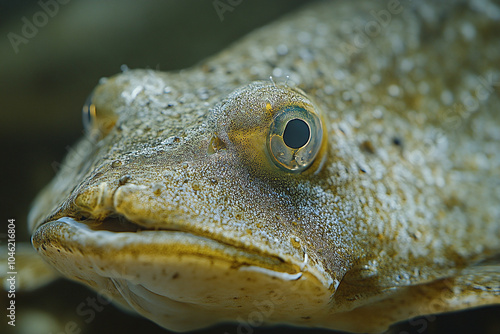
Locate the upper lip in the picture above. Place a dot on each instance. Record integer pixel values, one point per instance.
(117, 223)
(79, 236)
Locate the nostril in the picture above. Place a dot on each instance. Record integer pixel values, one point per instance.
(96, 200)
(124, 179)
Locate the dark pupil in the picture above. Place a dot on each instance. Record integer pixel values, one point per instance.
(296, 133)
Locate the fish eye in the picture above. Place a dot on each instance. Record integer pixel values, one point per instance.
(88, 114)
(97, 119)
(271, 129)
(295, 138)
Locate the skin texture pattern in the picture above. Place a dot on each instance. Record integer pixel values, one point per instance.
(357, 188)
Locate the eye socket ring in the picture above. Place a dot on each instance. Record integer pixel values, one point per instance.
(294, 138)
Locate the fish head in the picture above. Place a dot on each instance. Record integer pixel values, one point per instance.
(194, 212)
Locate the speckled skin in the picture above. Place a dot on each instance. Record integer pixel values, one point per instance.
(398, 215)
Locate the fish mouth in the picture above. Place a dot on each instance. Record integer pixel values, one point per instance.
(272, 265)
(171, 276)
(117, 234)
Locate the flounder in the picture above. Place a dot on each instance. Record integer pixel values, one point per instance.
(359, 187)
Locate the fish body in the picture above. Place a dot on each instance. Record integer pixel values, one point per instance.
(357, 188)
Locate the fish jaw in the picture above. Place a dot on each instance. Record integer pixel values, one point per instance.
(174, 277)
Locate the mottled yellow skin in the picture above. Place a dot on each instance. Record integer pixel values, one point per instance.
(171, 205)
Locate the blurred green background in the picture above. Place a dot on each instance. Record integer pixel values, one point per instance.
(44, 85)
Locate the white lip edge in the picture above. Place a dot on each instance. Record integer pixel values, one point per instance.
(269, 272)
(278, 274)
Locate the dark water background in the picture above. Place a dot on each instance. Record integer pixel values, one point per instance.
(43, 87)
